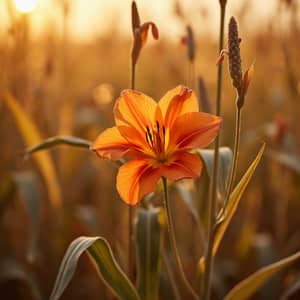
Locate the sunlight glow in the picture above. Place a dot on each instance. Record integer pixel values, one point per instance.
(25, 6)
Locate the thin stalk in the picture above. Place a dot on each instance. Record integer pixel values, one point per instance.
(235, 155)
(171, 276)
(130, 208)
(212, 207)
(130, 242)
(193, 75)
(132, 79)
(173, 240)
(191, 78)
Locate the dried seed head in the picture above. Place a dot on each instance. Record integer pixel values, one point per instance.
(204, 101)
(135, 18)
(223, 3)
(235, 64)
(190, 43)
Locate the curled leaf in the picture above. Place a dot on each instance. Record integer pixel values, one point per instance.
(108, 269)
(144, 32)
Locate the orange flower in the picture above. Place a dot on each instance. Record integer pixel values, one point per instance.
(158, 138)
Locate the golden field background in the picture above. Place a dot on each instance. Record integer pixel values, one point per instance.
(68, 86)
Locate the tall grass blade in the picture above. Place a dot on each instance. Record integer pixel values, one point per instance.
(149, 235)
(246, 288)
(32, 136)
(28, 186)
(232, 205)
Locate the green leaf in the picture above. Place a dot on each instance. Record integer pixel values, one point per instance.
(149, 235)
(59, 140)
(225, 159)
(103, 259)
(232, 205)
(32, 136)
(28, 186)
(251, 284)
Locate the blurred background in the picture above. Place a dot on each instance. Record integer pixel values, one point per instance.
(64, 62)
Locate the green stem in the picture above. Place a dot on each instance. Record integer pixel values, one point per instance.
(212, 207)
(171, 276)
(130, 208)
(130, 242)
(173, 240)
(235, 155)
(132, 79)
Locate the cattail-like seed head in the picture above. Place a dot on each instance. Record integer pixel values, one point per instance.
(235, 63)
(223, 3)
(135, 18)
(204, 100)
(190, 43)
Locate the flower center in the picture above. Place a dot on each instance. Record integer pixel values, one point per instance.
(155, 138)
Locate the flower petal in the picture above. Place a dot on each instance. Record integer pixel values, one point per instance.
(135, 179)
(194, 130)
(135, 109)
(184, 165)
(134, 138)
(111, 144)
(177, 102)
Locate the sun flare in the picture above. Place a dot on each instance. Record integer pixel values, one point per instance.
(25, 6)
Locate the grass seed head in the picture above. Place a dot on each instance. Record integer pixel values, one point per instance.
(235, 63)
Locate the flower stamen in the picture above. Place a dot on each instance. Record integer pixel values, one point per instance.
(155, 138)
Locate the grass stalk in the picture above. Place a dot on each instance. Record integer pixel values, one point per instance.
(212, 206)
(235, 155)
(132, 78)
(173, 240)
(171, 276)
(130, 208)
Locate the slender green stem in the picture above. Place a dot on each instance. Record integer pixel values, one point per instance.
(130, 241)
(191, 78)
(173, 240)
(235, 155)
(171, 276)
(212, 207)
(132, 79)
(130, 208)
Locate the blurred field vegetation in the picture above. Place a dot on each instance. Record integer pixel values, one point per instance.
(69, 87)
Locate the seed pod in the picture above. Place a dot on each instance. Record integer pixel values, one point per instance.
(204, 101)
(190, 43)
(234, 57)
(135, 18)
(223, 3)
